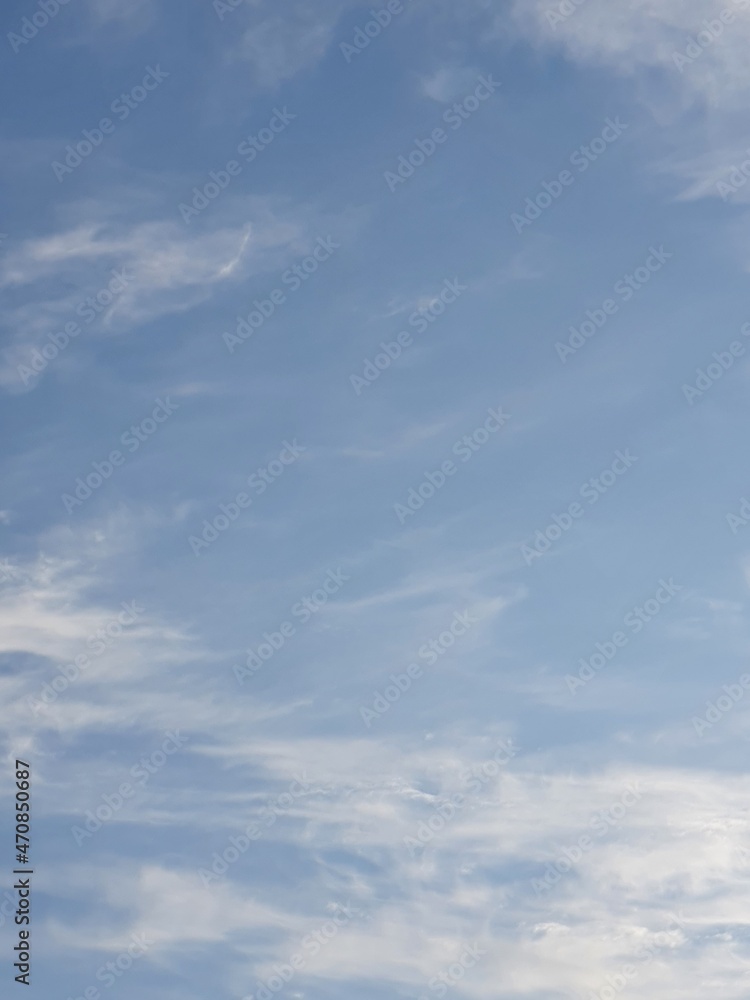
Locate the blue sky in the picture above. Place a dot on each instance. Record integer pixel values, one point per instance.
(374, 523)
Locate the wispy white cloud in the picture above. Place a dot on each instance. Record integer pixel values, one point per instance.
(155, 268)
(647, 34)
(449, 82)
(674, 851)
(686, 61)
